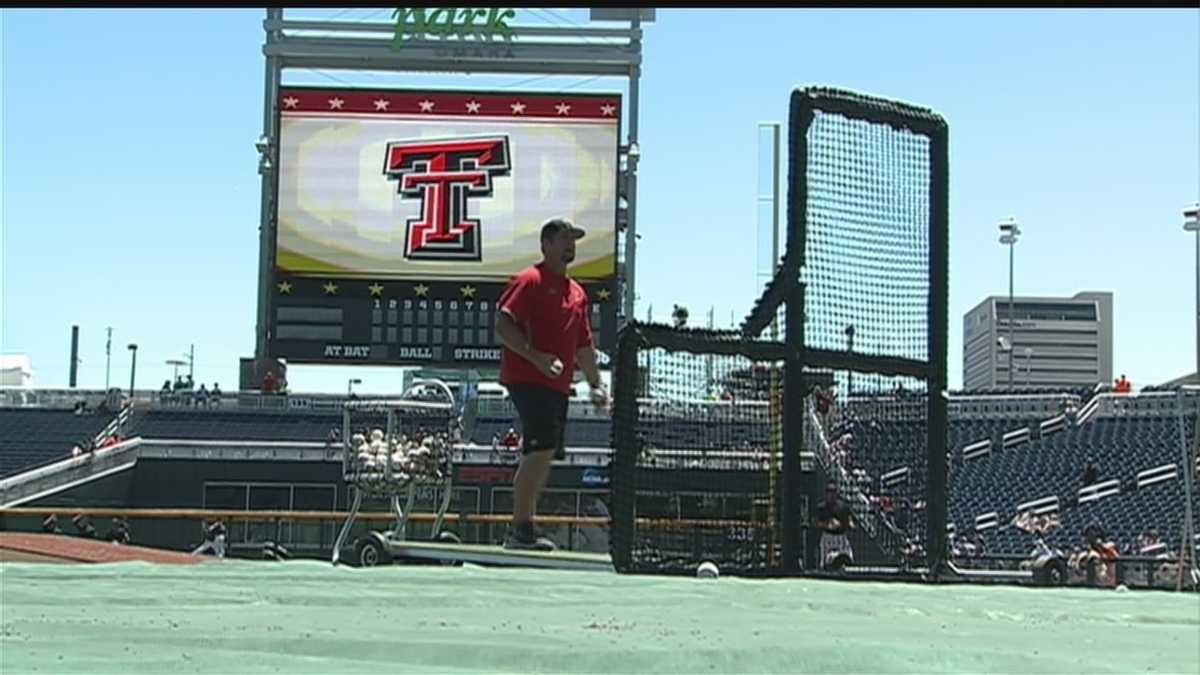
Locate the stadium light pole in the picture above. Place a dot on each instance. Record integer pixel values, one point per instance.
(175, 363)
(1191, 223)
(1009, 233)
(132, 367)
(107, 358)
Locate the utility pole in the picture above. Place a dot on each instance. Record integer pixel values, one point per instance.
(107, 358)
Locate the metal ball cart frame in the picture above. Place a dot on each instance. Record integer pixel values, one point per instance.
(389, 483)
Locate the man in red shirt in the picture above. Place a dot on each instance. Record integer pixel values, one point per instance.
(268, 382)
(543, 321)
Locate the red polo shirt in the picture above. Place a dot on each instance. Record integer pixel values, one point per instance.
(554, 312)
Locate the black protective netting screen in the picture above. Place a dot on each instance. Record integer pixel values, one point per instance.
(867, 248)
(873, 444)
(701, 475)
(861, 298)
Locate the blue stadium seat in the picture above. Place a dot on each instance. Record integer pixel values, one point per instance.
(233, 425)
(30, 437)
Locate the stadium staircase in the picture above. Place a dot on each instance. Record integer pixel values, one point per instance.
(56, 476)
(888, 543)
(33, 437)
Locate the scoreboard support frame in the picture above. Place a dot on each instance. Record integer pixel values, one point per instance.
(342, 45)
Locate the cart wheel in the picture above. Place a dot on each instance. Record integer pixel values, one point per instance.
(1050, 572)
(448, 537)
(1058, 573)
(371, 552)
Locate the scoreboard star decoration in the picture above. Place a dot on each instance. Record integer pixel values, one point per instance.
(467, 291)
(603, 294)
(376, 290)
(330, 288)
(421, 290)
(285, 287)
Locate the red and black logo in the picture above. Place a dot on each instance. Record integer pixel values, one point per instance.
(444, 174)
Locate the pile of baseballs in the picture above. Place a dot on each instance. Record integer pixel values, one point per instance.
(408, 459)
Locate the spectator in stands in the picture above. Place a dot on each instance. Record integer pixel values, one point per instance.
(834, 521)
(86, 446)
(1147, 543)
(978, 542)
(84, 526)
(164, 394)
(886, 507)
(903, 514)
(1099, 560)
(50, 525)
(913, 553)
(1138, 545)
(202, 396)
(1023, 521)
(269, 382)
(1091, 473)
(215, 394)
(1122, 385)
(861, 479)
(183, 393)
(512, 439)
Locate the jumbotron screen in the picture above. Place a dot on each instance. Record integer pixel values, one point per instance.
(401, 214)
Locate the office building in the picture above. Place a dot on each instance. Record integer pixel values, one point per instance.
(1055, 342)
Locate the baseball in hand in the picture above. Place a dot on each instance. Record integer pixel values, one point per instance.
(599, 397)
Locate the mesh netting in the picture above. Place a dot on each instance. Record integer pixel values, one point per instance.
(867, 324)
(702, 478)
(867, 247)
(872, 444)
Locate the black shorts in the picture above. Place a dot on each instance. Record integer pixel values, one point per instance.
(543, 414)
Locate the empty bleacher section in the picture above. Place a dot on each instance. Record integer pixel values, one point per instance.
(30, 437)
(233, 425)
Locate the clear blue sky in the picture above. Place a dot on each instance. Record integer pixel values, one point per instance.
(130, 192)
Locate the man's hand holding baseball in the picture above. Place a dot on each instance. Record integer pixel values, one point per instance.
(550, 365)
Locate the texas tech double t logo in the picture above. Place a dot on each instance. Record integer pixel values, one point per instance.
(444, 175)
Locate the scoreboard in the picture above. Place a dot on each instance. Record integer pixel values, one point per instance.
(403, 322)
(400, 215)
